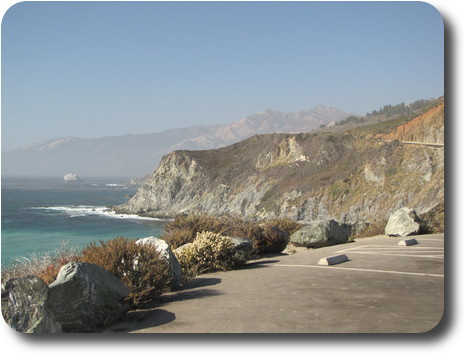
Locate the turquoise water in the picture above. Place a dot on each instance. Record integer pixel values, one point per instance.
(39, 214)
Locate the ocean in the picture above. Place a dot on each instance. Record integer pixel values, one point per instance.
(38, 215)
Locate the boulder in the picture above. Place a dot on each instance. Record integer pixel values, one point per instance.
(243, 249)
(321, 233)
(26, 306)
(403, 222)
(163, 249)
(276, 239)
(86, 297)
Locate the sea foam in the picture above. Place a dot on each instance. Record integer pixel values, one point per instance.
(89, 210)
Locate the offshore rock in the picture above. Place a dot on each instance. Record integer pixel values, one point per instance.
(26, 306)
(163, 249)
(402, 223)
(321, 233)
(86, 297)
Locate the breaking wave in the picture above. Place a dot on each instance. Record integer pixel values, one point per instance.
(88, 210)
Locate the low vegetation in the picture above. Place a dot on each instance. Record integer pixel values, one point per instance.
(209, 252)
(264, 236)
(139, 267)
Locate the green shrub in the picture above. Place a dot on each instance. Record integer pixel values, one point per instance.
(209, 252)
(139, 267)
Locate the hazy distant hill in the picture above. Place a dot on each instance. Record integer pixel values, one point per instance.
(138, 154)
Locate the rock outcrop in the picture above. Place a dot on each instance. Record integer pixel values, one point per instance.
(86, 297)
(26, 306)
(163, 249)
(403, 222)
(321, 233)
(347, 177)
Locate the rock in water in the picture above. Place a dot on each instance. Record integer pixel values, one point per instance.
(86, 297)
(70, 177)
(403, 222)
(163, 248)
(26, 306)
(321, 233)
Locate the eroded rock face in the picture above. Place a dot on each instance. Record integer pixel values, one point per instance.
(86, 297)
(403, 222)
(26, 306)
(163, 248)
(321, 233)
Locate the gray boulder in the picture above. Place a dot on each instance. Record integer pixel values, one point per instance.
(403, 222)
(86, 297)
(321, 233)
(243, 248)
(163, 249)
(26, 306)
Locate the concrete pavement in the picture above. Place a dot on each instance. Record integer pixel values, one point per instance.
(383, 288)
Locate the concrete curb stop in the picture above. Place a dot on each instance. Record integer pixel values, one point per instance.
(333, 260)
(408, 242)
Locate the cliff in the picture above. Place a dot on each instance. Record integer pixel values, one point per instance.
(347, 177)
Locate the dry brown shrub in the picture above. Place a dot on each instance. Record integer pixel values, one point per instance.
(139, 267)
(373, 229)
(286, 224)
(46, 265)
(183, 229)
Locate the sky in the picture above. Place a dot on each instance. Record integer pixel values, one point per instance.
(92, 69)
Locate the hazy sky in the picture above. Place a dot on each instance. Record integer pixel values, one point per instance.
(94, 69)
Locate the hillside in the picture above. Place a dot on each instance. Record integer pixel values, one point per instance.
(136, 155)
(350, 176)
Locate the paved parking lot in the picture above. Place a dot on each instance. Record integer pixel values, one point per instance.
(383, 288)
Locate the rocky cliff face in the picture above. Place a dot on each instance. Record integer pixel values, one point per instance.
(304, 176)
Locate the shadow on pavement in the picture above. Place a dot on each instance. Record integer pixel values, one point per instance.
(200, 282)
(137, 320)
(258, 264)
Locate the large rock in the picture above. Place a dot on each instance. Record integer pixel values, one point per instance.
(276, 239)
(86, 297)
(243, 249)
(321, 233)
(163, 249)
(403, 222)
(26, 306)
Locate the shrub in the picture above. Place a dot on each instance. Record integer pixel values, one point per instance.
(139, 267)
(183, 229)
(46, 266)
(286, 224)
(264, 238)
(433, 221)
(373, 229)
(209, 252)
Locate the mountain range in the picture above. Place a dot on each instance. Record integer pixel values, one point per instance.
(135, 155)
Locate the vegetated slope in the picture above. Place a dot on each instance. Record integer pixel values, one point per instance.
(427, 127)
(349, 176)
(138, 154)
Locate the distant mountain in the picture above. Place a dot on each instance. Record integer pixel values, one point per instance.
(139, 154)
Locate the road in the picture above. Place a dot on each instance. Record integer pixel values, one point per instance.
(383, 288)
